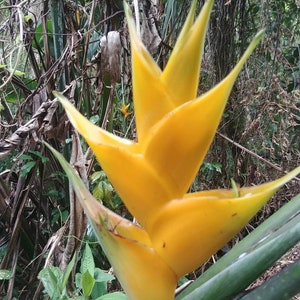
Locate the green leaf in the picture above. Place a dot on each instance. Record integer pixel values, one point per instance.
(43, 158)
(87, 261)
(93, 46)
(100, 289)
(283, 285)
(16, 72)
(50, 278)
(14, 98)
(26, 168)
(67, 273)
(38, 37)
(95, 119)
(250, 258)
(5, 274)
(102, 276)
(113, 296)
(25, 157)
(87, 283)
(103, 192)
(98, 176)
(78, 280)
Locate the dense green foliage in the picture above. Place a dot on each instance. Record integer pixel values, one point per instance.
(62, 45)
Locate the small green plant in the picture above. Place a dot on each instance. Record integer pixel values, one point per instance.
(55, 281)
(5, 274)
(90, 281)
(31, 161)
(209, 169)
(103, 190)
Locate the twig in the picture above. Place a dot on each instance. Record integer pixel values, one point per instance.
(254, 154)
(19, 48)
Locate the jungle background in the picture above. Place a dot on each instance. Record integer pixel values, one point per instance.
(81, 48)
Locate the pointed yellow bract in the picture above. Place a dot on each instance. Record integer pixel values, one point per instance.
(181, 75)
(177, 232)
(148, 89)
(189, 130)
(140, 270)
(209, 219)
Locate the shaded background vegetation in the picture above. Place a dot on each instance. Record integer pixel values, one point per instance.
(81, 48)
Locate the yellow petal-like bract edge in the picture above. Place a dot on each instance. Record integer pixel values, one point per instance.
(178, 143)
(181, 74)
(151, 100)
(140, 270)
(195, 227)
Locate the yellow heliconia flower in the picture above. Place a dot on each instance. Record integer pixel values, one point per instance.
(177, 232)
(124, 110)
(184, 234)
(186, 128)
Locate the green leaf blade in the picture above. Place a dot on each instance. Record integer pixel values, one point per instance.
(87, 283)
(283, 285)
(50, 278)
(87, 261)
(67, 273)
(113, 296)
